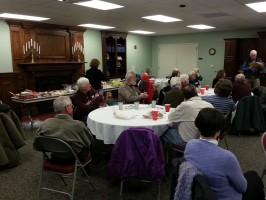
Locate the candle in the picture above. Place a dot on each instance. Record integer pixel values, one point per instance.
(26, 46)
(23, 49)
(34, 44)
(31, 42)
(29, 45)
(39, 50)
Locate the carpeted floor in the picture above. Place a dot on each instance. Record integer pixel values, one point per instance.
(21, 183)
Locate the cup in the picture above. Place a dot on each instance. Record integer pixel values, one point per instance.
(154, 114)
(167, 107)
(120, 105)
(207, 87)
(136, 105)
(202, 91)
(153, 104)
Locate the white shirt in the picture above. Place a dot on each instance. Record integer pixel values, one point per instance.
(184, 116)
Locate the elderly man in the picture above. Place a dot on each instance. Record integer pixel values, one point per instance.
(127, 92)
(240, 88)
(183, 118)
(252, 67)
(64, 127)
(184, 80)
(175, 95)
(85, 100)
(220, 100)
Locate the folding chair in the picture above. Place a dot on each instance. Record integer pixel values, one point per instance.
(137, 153)
(51, 145)
(263, 143)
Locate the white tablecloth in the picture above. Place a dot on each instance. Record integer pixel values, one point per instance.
(207, 92)
(106, 127)
(162, 82)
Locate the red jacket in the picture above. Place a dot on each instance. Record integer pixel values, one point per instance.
(149, 89)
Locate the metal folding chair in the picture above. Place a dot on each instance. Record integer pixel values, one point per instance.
(51, 145)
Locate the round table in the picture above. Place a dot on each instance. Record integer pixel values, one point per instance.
(106, 127)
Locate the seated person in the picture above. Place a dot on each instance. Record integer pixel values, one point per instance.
(95, 75)
(183, 118)
(175, 72)
(260, 91)
(240, 88)
(4, 107)
(85, 100)
(198, 76)
(64, 127)
(184, 80)
(219, 166)
(220, 100)
(193, 79)
(220, 74)
(162, 94)
(175, 95)
(128, 93)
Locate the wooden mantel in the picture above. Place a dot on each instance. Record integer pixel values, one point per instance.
(33, 71)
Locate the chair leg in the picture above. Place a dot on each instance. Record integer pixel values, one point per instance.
(121, 188)
(40, 183)
(159, 191)
(74, 182)
(226, 144)
(88, 178)
(62, 179)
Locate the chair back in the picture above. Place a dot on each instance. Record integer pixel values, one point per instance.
(137, 152)
(263, 142)
(249, 115)
(54, 145)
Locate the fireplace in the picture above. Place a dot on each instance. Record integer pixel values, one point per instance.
(43, 77)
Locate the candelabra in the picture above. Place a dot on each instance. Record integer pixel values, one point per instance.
(77, 51)
(31, 49)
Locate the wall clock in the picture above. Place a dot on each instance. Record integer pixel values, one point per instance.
(212, 51)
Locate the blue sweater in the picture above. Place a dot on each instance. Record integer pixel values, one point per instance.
(222, 104)
(219, 166)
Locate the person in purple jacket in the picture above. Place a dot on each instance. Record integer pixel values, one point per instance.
(219, 166)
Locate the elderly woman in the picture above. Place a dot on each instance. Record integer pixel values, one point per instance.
(193, 79)
(220, 100)
(220, 167)
(95, 75)
(85, 100)
(127, 92)
(184, 80)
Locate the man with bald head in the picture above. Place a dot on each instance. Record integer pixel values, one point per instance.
(252, 68)
(240, 88)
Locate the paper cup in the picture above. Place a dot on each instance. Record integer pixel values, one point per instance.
(154, 114)
(207, 87)
(153, 104)
(120, 105)
(167, 107)
(202, 91)
(136, 105)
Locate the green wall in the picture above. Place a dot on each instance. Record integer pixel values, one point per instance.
(209, 65)
(5, 46)
(140, 58)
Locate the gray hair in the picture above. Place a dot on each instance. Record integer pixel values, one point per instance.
(175, 70)
(184, 77)
(191, 73)
(253, 52)
(82, 81)
(175, 81)
(129, 74)
(60, 103)
(240, 78)
(148, 70)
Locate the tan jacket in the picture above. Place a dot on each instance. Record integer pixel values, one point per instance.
(128, 94)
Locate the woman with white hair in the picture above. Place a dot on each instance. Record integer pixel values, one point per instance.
(85, 100)
(193, 79)
(184, 80)
(252, 68)
(175, 96)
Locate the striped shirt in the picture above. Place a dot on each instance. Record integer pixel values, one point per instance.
(222, 104)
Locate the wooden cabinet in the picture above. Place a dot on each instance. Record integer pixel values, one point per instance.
(231, 62)
(114, 54)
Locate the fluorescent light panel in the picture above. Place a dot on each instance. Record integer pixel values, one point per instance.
(101, 5)
(97, 26)
(259, 6)
(162, 18)
(142, 32)
(25, 17)
(201, 26)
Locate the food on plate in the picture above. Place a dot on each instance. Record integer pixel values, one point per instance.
(149, 115)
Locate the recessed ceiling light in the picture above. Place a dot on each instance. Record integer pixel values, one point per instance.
(25, 17)
(142, 32)
(201, 26)
(97, 26)
(259, 7)
(162, 18)
(101, 5)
